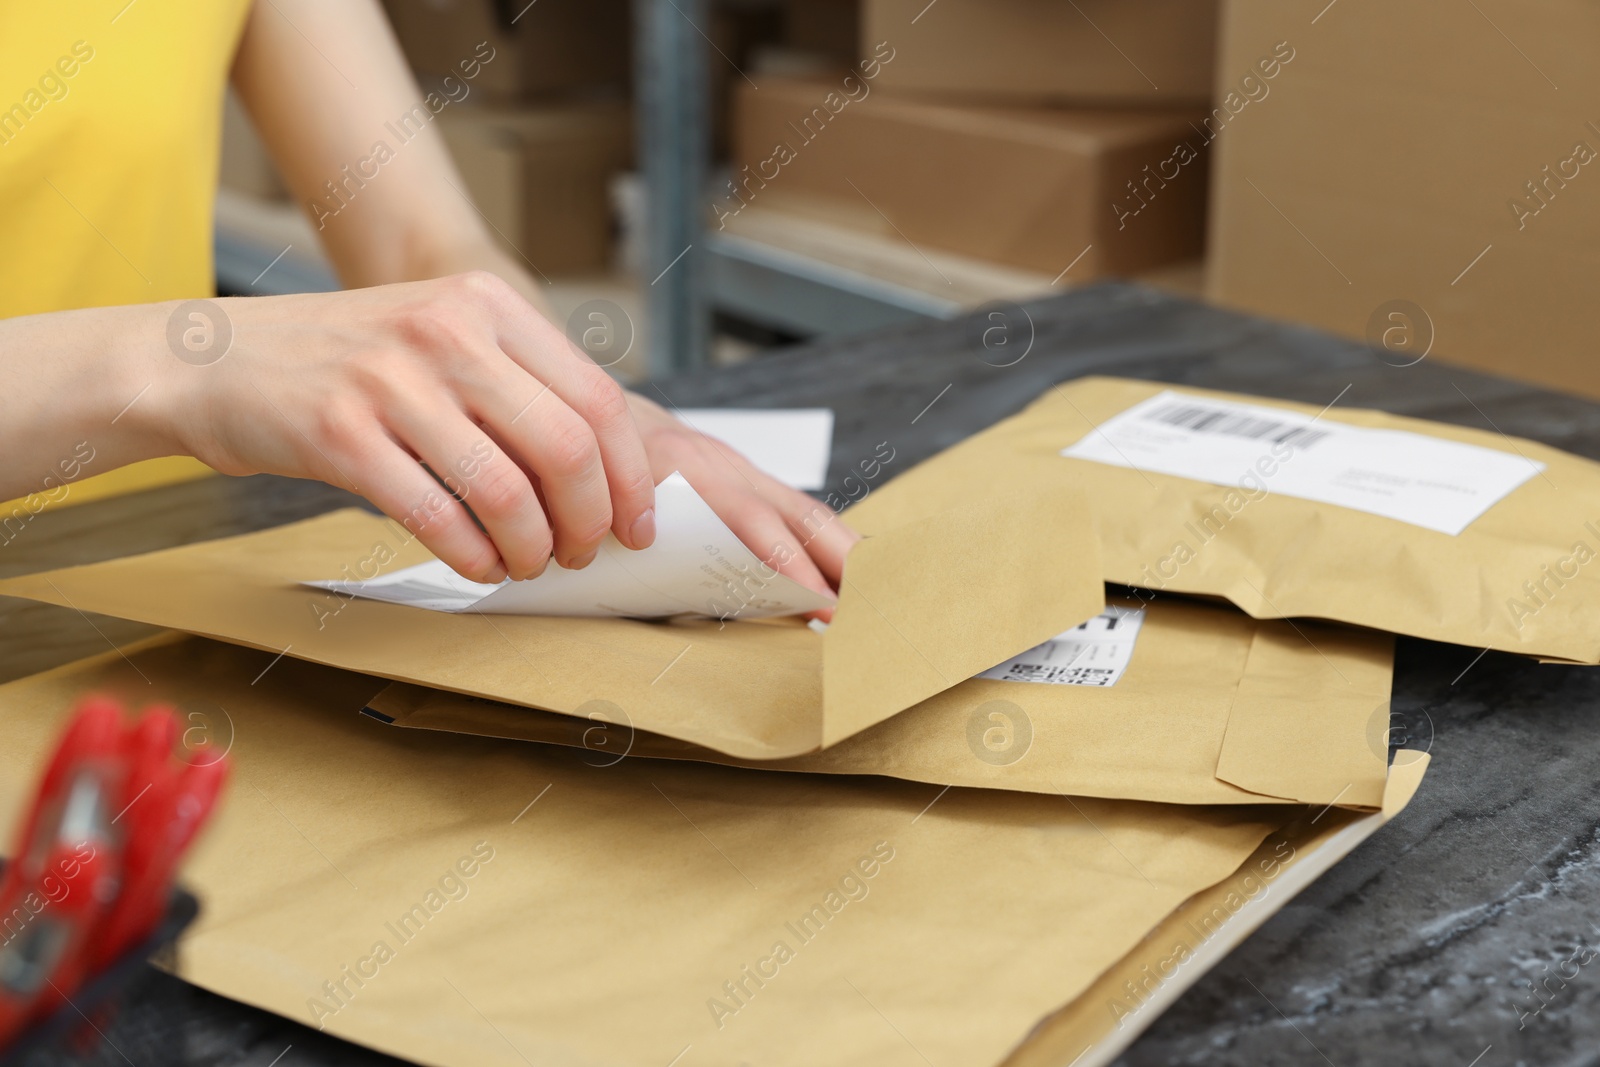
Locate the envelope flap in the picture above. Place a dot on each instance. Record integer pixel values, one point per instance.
(927, 605)
(749, 689)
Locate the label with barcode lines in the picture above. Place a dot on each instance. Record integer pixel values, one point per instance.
(1093, 653)
(1258, 452)
(1209, 420)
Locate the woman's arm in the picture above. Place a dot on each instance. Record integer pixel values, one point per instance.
(326, 84)
(357, 389)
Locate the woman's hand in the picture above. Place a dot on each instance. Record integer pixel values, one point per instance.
(418, 223)
(361, 388)
(792, 532)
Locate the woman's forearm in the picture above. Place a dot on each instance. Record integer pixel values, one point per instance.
(369, 389)
(81, 393)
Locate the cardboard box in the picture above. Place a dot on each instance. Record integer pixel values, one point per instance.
(1416, 179)
(827, 27)
(1156, 52)
(1032, 187)
(545, 48)
(540, 177)
(737, 35)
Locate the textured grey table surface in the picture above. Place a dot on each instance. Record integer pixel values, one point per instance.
(1419, 948)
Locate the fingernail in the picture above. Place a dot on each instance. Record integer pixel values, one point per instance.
(497, 575)
(643, 531)
(583, 560)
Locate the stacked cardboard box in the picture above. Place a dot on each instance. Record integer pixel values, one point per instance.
(1156, 52)
(540, 126)
(1417, 179)
(827, 28)
(552, 47)
(736, 32)
(539, 176)
(1100, 191)
(996, 130)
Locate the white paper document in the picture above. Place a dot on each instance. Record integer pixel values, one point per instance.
(695, 567)
(791, 444)
(1092, 653)
(1425, 481)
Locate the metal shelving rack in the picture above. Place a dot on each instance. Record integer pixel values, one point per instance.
(688, 272)
(672, 120)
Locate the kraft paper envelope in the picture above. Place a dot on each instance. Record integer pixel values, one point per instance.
(463, 902)
(1214, 707)
(1451, 534)
(922, 608)
(1104, 1020)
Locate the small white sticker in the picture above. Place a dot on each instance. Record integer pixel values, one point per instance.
(1093, 653)
(1425, 481)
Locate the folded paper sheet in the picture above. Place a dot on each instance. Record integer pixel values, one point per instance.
(922, 608)
(1210, 707)
(695, 567)
(1413, 527)
(462, 902)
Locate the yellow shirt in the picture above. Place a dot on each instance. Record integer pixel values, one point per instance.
(110, 129)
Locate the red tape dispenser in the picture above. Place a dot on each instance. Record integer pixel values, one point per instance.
(93, 869)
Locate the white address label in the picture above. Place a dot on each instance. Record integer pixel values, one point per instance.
(1425, 481)
(1092, 653)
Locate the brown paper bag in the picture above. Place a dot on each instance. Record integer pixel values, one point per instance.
(923, 608)
(459, 901)
(1214, 708)
(1521, 577)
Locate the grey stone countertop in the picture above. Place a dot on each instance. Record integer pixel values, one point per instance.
(1419, 948)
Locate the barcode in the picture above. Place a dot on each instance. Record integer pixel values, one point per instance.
(1060, 675)
(1211, 420)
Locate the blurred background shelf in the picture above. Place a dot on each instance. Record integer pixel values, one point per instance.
(739, 174)
(939, 164)
(775, 277)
